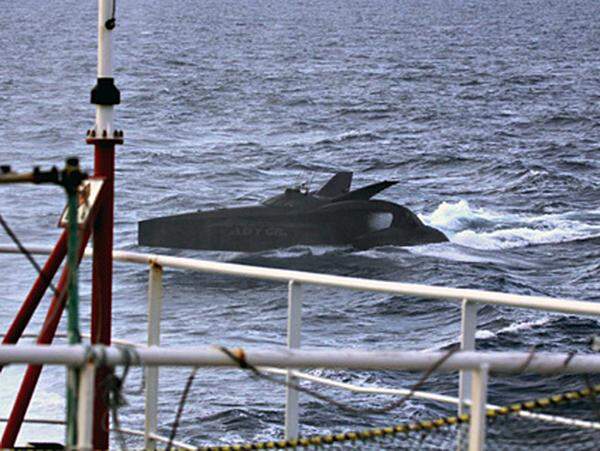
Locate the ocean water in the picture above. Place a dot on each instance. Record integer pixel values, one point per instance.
(486, 112)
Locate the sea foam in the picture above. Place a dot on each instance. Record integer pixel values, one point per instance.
(491, 230)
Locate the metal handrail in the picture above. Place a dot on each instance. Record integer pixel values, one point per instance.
(87, 357)
(544, 303)
(429, 396)
(474, 367)
(348, 387)
(210, 356)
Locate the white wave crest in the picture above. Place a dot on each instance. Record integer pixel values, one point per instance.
(518, 237)
(512, 328)
(454, 216)
(484, 334)
(470, 227)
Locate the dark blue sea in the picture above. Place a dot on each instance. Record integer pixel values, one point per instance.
(486, 112)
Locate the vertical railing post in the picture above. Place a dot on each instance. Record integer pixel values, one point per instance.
(85, 407)
(293, 341)
(468, 329)
(155, 296)
(478, 408)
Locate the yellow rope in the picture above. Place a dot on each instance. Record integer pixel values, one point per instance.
(407, 428)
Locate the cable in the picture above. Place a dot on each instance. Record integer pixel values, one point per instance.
(184, 395)
(530, 356)
(114, 389)
(112, 22)
(27, 254)
(240, 359)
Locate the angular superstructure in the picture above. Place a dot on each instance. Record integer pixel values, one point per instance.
(333, 215)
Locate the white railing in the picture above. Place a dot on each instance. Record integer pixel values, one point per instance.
(468, 298)
(479, 363)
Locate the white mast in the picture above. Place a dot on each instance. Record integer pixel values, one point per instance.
(105, 94)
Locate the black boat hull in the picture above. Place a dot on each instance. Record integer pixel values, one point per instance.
(361, 224)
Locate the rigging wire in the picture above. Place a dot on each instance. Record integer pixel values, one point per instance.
(112, 22)
(114, 393)
(184, 395)
(27, 254)
(238, 357)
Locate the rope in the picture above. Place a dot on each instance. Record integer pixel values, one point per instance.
(184, 395)
(424, 426)
(569, 358)
(113, 386)
(239, 357)
(530, 357)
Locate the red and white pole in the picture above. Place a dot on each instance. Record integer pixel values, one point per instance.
(104, 137)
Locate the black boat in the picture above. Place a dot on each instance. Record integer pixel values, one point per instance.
(333, 215)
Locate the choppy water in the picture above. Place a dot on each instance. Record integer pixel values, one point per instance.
(486, 111)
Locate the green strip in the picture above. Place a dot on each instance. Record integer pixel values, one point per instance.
(73, 332)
